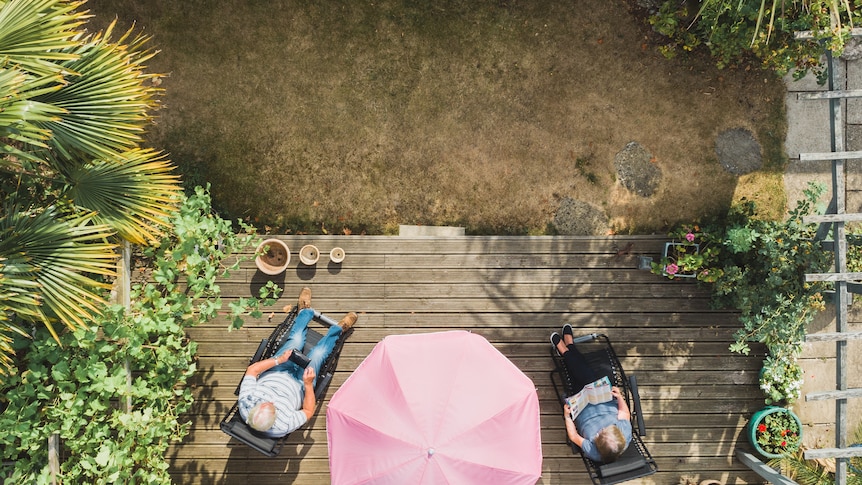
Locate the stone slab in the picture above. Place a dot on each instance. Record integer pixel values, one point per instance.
(807, 126)
(807, 83)
(854, 81)
(854, 167)
(818, 363)
(798, 174)
(429, 231)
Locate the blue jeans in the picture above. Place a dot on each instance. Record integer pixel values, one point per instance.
(296, 341)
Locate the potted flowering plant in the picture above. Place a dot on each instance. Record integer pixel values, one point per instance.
(781, 376)
(691, 254)
(775, 431)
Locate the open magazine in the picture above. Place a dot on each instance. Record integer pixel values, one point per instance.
(593, 393)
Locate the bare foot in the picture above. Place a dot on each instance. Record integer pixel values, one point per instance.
(562, 348)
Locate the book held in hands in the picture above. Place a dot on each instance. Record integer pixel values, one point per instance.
(593, 393)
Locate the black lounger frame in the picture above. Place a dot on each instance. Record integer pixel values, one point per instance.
(636, 461)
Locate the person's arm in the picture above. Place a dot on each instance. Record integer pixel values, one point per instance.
(309, 400)
(264, 365)
(571, 430)
(623, 413)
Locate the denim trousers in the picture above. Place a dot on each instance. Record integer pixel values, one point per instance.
(296, 341)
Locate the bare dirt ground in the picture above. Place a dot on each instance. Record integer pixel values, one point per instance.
(359, 116)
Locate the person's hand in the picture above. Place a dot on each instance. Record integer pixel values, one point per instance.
(615, 392)
(308, 376)
(284, 356)
(567, 411)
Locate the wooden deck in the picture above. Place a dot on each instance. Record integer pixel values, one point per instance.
(514, 291)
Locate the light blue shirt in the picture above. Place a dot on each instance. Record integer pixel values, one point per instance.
(596, 417)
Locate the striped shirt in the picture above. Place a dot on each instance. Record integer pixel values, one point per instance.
(279, 388)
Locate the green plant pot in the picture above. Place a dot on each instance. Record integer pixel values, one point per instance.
(757, 418)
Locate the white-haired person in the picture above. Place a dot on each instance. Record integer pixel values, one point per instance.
(276, 396)
(603, 431)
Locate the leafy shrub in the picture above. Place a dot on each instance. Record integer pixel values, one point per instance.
(736, 32)
(115, 390)
(758, 267)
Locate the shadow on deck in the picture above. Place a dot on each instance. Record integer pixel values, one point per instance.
(513, 291)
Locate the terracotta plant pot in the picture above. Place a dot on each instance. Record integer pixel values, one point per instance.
(336, 255)
(309, 254)
(275, 260)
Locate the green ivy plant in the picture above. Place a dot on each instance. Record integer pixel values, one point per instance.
(738, 31)
(764, 278)
(115, 390)
(758, 267)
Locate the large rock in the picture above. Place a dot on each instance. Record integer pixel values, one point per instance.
(636, 170)
(579, 218)
(738, 151)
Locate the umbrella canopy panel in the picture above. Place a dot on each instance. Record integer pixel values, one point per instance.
(435, 408)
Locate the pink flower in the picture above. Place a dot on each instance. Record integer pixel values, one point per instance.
(689, 237)
(671, 269)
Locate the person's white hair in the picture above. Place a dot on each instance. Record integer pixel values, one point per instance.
(262, 416)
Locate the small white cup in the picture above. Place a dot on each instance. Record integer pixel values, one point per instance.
(309, 254)
(336, 255)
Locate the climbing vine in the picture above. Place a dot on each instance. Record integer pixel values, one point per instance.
(115, 391)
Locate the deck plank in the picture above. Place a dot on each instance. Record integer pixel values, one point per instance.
(513, 291)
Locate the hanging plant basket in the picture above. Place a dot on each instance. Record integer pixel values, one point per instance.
(774, 431)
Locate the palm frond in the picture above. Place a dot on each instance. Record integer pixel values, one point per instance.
(6, 350)
(19, 298)
(19, 114)
(106, 104)
(61, 255)
(805, 472)
(133, 194)
(36, 34)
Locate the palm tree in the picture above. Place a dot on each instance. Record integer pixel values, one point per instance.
(73, 109)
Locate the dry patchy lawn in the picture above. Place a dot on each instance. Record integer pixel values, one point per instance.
(361, 115)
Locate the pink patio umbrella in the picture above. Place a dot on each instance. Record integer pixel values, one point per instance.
(433, 409)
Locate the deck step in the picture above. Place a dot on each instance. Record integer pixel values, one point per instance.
(406, 230)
